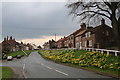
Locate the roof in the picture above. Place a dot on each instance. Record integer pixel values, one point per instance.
(82, 32)
(98, 27)
(10, 42)
(76, 32)
(61, 39)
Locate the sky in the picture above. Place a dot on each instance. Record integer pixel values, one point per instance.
(36, 21)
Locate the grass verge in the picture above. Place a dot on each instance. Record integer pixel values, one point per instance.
(20, 53)
(92, 61)
(6, 72)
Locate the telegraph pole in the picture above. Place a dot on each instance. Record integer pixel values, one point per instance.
(55, 37)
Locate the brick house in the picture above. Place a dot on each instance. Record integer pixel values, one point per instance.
(69, 41)
(66, 42)
(98, 37)
(73, 35)
(51, 44)
(78, 39)
(60, 43)
(9, 45)
(23, 46)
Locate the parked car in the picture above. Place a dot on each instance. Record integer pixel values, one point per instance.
(18, 56)
(9, 58)
(15, 56)
(22, 55)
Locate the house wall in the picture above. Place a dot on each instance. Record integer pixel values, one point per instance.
(104, 37)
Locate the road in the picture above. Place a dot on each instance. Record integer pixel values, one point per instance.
(35, 66)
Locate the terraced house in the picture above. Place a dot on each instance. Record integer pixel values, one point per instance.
(10, 44)
(51, 44)
(98, 37)
(89, 37)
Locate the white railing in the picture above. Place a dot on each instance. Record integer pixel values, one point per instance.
(116, 53)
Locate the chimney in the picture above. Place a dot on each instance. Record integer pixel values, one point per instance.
(103, 21)
(4, 39)
(83, 26)
(7, 38)
(10, 37)
(21, 42)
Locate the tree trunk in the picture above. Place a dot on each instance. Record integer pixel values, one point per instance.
(115, 24)
(116, 30)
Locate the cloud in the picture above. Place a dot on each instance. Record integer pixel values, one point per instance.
(34, 0)
(34, 20)
(40, 41)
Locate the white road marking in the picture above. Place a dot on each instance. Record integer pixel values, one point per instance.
(42, 64)
(23, 66)
(24, 52)
(61, 72)
(48, 67)
(24, 74)
(24, 71)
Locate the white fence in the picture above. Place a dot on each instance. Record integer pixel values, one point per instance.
(116, 53)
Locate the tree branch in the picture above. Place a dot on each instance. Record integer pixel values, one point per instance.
(108, 4)
(103, 9)
(94, 13)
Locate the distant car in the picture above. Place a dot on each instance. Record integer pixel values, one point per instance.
(14, 56)
(22, 55)
(9, 58)
(19, 56)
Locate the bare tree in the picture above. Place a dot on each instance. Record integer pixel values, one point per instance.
(90, 10)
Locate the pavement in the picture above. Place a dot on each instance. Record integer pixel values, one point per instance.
(34, 66)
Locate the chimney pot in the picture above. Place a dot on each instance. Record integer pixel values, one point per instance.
(102, 21)
(83, 26)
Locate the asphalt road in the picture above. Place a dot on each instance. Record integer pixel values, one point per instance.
(35, 66)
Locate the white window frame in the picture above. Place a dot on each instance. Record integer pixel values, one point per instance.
(107, 33)
(90, 43)
(85, 43)
(89, 34)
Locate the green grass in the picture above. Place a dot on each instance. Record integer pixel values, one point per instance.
(16, 53)
(79, 52)
(86, 57)
(6, 72)
(20, 53)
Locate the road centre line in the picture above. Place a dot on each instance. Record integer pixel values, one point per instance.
(61, 72)
(41, 63)
(24, 70)
(55, 69)
(48, 67)
(23, 66)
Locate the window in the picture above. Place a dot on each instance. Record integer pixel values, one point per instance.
(89, 34)
(107, 33)
(86, 35)
(85, 43)
(90, 43)
(80, 45)
(76, 38)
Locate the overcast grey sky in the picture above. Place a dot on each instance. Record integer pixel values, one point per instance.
(25, 20)
(37, 22)
(33, 20)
